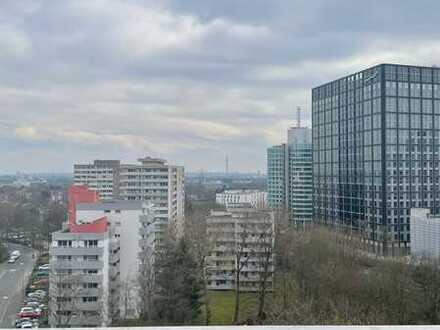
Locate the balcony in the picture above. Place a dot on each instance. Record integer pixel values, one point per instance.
(72, 264)
(75, 251)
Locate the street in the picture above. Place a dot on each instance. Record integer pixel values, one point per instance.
(13, 279)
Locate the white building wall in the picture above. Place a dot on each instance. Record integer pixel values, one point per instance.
(106, 317)
(126, 225)
(425, 233)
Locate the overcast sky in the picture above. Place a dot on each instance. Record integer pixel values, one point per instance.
(188, 80)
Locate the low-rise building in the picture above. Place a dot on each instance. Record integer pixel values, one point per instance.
(255, 198)
(241, 241)
(425, 233)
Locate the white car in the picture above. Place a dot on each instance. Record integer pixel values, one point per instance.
(11, 260)
(40, 292)
(33, 304)
(26, 325)
(35, 295)
(44, 267)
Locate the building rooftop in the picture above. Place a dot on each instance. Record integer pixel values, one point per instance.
(241, 191)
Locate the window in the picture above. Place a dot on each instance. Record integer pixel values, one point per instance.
(89, 299)
(415, 105)
(415, 90)
(403, 121)
(426, 90)
(403, 104)
(91, 258)
(391, 104)
(415, 121)
(403, 89)
(427, 106)
(391, 120)
(65, 243)
(91, 243)
(90, 285)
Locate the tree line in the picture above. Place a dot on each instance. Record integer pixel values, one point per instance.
(321, 277)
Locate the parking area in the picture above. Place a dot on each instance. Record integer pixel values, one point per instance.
(24, 289)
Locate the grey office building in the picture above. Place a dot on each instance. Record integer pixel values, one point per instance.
(289, 176)
(376, 150)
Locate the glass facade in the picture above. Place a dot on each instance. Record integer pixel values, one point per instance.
(376, 150)
(289, 176)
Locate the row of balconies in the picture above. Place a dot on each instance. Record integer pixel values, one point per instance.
(75, 251)
(75, 264)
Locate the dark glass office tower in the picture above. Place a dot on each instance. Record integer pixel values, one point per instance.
(376, 150)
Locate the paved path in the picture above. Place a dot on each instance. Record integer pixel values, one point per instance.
(13, 279)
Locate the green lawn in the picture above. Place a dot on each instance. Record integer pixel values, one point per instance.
(223, 303)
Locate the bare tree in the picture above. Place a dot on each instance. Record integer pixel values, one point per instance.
(264, 251)
(241, 256)
(128, 296)
(64, 297)
(201, 246)
(146, 282)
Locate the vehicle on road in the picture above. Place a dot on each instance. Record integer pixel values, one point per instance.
(12, 260)
(16, 254)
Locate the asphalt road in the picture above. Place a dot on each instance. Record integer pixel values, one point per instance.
(13, 279)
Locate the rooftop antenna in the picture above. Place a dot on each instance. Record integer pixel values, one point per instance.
(298, 117)
(226, 164)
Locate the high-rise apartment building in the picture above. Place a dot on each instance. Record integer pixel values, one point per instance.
(376, 150)
(126, 219)
(101, 176)
(152, 180)
(84, 269)
(240, 236)
(97, 258)
(289, 176)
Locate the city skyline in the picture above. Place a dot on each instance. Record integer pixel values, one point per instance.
(189, 81)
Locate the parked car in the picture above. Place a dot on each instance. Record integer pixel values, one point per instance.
(43, 267)
(39, 292)
(24, 323)
(11, 260)
(43, 283)
(28, 325)
(29, 312)
(42, 273)
(36, 294)
(34, 298)
(33, 304)
(18, 322)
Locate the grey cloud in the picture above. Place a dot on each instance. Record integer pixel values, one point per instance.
(186, 80)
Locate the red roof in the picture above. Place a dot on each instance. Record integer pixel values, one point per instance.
(82, 194)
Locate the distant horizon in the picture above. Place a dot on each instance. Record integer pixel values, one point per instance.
(205, 172)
